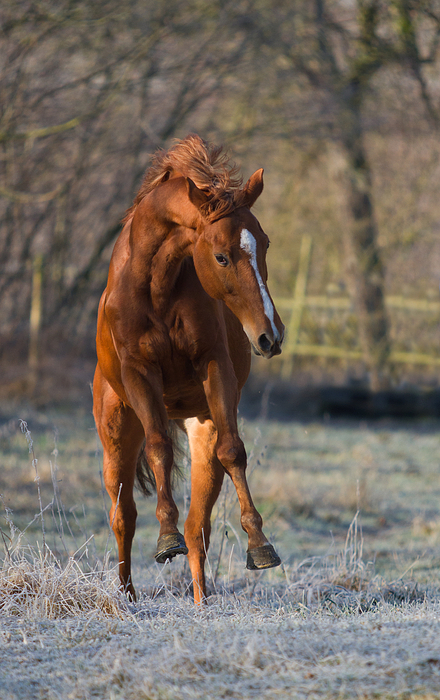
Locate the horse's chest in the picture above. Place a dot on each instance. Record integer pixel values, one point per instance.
(195, 335)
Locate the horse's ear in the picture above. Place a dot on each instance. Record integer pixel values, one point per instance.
(253, 188)
(197, 197)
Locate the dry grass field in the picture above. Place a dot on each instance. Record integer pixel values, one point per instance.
(354, 612)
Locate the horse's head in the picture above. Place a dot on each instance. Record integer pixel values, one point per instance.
(230, 260)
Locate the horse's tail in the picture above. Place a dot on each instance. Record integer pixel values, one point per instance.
(145, 480)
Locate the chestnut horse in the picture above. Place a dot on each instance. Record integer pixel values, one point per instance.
(186, 297)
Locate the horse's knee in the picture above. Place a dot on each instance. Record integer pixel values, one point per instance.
(231, 452)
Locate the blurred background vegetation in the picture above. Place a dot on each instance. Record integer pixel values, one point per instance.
(339, 101)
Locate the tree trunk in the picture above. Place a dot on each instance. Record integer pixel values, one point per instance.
(364, 270)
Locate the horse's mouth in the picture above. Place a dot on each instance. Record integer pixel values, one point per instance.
(275, 350)
(255, 351)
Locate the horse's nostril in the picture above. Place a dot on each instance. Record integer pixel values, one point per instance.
(265, 343)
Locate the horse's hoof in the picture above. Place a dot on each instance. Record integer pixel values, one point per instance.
(128, 591)
(130, 594)
(264, 557)
(168, 546)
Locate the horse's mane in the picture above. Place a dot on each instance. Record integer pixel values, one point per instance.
(208, 166)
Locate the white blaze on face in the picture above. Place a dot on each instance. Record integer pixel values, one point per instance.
(249, 245)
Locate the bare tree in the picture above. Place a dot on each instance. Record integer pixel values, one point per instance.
(318, 60)
(86, 92)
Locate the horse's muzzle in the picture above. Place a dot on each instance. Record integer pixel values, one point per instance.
(267, 346)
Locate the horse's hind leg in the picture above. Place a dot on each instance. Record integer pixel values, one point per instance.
(206, 481)
(121, 434)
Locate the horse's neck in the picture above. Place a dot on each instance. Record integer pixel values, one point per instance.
(157, 252)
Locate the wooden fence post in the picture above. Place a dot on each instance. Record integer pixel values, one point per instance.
(299, 295)
(35, 321)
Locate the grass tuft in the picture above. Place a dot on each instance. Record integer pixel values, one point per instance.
(33, 585)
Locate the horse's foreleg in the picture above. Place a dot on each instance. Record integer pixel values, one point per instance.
(222, 395)
(159, 453)
(121, 435)
(145, 393)
(206, 481)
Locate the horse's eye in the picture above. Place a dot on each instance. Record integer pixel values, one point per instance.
(222, 260)
(268, 244)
